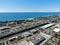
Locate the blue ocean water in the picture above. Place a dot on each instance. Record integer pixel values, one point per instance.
(24, 15)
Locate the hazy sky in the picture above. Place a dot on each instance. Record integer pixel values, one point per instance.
(29, 5)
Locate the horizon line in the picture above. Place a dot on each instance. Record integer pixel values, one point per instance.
(14, 12)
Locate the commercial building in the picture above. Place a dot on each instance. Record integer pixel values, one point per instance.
(47, 26)
(37, 41)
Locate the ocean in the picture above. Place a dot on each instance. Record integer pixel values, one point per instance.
(24, 15)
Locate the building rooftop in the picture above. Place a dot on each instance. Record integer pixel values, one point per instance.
(4, 27)
(25, 34)
(24, 42)
(56, 30)
(47, 25)
(37, 40)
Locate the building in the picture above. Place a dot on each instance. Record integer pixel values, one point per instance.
(50, 42)
(8, 41)
(24, 42)
(56, 30)
(34, 31)
(26, 34)
(4, 27)
(47, 26)
(37, 41)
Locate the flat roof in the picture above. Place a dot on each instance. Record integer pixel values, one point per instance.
(47, 25)
(38, 40)
(3, 27)
(56, 30)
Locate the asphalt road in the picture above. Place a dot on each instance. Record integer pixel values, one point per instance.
(22, 31)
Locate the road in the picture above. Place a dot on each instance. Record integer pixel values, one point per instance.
(6, 36)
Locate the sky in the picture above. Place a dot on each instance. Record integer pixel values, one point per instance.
(29, 5)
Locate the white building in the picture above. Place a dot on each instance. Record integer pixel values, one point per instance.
(4, 27)
(25, 34)
(24, 42)
(46, 26)
(56, 30)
